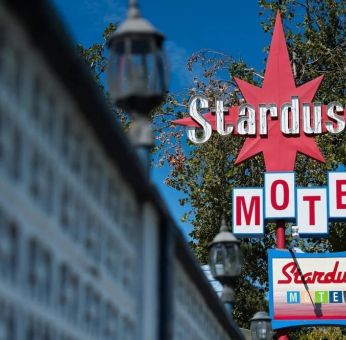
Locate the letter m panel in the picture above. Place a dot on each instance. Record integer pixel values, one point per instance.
(247, 211)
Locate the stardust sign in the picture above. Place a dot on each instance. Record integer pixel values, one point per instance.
(307, 289)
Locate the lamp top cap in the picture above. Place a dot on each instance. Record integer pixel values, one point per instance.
(224, 235)
(135, 24)
(261, 316)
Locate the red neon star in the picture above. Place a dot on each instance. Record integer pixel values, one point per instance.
(278, 87)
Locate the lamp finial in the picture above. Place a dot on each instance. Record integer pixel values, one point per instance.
(133, 11)
(223, 224)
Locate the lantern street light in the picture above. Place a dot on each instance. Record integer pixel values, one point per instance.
(225, 263)
(260, 327)
(137, 73)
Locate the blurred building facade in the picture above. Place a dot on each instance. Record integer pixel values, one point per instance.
(87, 247)
(215, 284)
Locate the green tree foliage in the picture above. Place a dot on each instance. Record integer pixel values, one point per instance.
(95, 58)
(205, 174)
(319, 333)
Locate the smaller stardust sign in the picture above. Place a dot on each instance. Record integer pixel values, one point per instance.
(307, 289)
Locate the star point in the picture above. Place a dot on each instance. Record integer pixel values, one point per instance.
(279, 151)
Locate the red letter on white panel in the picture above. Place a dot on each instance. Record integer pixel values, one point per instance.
(312, 211)
(279, 195)
(248, 212)
(337, 195)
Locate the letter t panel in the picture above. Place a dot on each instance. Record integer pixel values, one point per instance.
(312, 219)
(247, 211)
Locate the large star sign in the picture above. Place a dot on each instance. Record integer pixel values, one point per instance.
(279, 150)
(278, 87)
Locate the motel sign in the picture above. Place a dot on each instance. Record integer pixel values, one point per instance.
(307, 289)
(310, 208)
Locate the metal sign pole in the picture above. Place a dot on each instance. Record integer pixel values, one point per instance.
(281, 244)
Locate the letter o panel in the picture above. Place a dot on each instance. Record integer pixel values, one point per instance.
(247, 211)
(280, 195)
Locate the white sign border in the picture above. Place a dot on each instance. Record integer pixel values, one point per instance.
(285, 253)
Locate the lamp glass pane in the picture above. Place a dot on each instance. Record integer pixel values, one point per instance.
(117, 71)
(137, 73)
(225, 260)
(261, 330)
(216, 260)
(233, 260)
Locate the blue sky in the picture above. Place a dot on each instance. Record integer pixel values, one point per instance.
(232, 27)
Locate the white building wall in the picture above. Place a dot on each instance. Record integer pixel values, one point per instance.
(70, 227)
(192, 317)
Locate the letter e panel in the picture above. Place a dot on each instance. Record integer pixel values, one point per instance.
(248, 220)
(337, 195)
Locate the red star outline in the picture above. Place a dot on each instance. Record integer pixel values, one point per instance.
(279, 150)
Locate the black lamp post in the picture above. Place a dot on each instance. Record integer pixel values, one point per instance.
(260, 327)
(137, 73)
(225, 263)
